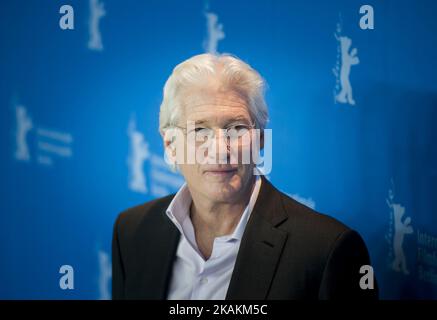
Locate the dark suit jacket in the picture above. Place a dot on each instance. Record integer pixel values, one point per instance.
(288, 251)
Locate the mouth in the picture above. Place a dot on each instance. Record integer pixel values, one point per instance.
(221, 172)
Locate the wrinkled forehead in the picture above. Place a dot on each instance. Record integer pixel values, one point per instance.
(216, 107)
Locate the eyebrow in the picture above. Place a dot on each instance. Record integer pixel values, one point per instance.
(239, 118)
(229, 121)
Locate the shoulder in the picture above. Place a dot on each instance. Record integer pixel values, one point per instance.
(151, 212)
(312, 227)
(309, 217)
(321, 236)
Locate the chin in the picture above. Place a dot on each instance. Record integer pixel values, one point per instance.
(221, 196)
(224, 191)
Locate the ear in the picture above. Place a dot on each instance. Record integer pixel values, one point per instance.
(169, 146)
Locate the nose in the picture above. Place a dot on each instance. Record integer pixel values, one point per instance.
(221, 146)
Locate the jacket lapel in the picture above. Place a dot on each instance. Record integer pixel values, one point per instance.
(158, 244)
(260, 249)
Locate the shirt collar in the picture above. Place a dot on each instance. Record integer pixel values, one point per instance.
(179, 210)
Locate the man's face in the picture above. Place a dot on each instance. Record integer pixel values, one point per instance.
(217, 109)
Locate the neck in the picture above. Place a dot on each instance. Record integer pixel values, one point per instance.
(219, 218)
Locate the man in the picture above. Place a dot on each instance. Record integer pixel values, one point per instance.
(228, 233)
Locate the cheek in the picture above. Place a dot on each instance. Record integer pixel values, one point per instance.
(240, 155)
(191, 173)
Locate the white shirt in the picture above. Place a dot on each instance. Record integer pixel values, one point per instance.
(193, 278)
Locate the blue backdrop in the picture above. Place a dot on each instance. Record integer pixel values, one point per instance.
(352, 112)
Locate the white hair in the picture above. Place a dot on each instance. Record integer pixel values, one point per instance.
(231, 72)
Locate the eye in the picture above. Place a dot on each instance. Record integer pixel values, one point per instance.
(202, 131)
(239, 127)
